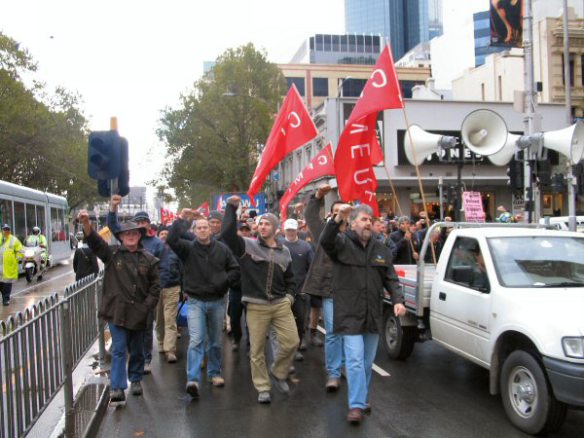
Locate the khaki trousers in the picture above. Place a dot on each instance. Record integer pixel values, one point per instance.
(166, 318)
(259, 319)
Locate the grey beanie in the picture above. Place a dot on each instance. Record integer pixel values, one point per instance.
(214, 214)
(272, 218)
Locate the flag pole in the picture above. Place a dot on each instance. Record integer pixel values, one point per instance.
(391, 185)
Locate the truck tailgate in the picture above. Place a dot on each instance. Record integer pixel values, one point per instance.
(407, 275)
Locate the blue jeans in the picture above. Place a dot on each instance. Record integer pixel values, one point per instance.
(360, 352)
(149, 337)
(333, 344)
(205, 320)
(123, 341)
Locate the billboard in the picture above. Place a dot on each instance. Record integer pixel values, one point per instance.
(507, 23)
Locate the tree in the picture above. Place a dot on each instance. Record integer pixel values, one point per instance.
(214, 138)
(43, 137)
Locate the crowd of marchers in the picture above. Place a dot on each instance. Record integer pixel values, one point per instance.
(247, 275)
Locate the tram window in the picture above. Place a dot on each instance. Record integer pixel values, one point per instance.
(40, 219)
(57, 225)
(19, 221)
(6, 212)
(30, 219)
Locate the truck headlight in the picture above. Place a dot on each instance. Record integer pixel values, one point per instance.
(573, 347)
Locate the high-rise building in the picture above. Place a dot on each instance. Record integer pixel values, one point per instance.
(405, 22)
(482, 37)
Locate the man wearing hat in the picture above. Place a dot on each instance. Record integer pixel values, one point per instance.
(154, 246)
(131, 288)
(268, 288)
(215, 219)
(10, 255)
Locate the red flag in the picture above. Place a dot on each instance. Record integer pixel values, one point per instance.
(321, 165)
(204, 208)
(293, 128)
(353, 159)
(369, 197)
(382, 90)
(163, 216)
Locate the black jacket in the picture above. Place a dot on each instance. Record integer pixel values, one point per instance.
(266, 272)
(360, 275)
(404, 255)
(84, 263)
(320, 274)
(209, 270)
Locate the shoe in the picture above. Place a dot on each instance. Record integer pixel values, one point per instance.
(332, 384)
(135, 388)
(147, 368)
(193, 389)
(161, 349)
(303, 345)
(314, 339)
(171, 357)
(298, 356)
(355, 416)
(291, 370)
(367, 409)
(217, 381)
(264, 397)
(234, 346)
(117, 396)
(280, 384)
(6, 303)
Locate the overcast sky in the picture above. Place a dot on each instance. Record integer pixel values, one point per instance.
(131, 58)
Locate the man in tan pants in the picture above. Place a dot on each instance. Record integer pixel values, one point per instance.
(267, 284)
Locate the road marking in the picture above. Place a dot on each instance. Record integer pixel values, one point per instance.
(36, 285)
(375, 368)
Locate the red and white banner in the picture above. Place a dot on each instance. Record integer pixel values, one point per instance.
(321, 165)
(204, 208)
(359, 149)
(167, 216)
(293, 128)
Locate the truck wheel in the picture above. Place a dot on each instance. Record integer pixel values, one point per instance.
(29, 274)
(527, 398)
(398, 341)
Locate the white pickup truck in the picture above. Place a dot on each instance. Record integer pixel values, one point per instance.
(511, 299)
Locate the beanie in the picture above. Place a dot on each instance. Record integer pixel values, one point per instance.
(272, 218)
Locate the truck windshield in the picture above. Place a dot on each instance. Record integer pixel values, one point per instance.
(537, 261)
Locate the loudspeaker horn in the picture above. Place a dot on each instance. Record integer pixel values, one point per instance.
(425, 144)
(568, 141)
(506, 153)
(484, 132)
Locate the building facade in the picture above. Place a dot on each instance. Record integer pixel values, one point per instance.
(339, 49)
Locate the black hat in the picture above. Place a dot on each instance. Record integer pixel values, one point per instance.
(128, 226)
(141, 216)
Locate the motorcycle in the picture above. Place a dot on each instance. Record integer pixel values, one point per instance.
(33, 262)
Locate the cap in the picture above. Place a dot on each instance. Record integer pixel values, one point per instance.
(214, 214)
(141, 216)
(241, 225)
(128, 226)
(291, 224)
(6, 227)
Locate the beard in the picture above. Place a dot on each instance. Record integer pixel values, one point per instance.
(364, 234)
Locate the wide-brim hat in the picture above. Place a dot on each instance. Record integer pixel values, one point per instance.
(128, 226)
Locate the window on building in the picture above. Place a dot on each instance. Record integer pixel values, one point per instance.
(299, 82)
(571, 71)
(336, 43)
(353, 87)
(320, 87)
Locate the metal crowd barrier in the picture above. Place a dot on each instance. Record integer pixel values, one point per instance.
(40, 347)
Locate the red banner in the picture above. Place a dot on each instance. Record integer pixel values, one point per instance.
(167, 216)
(293, 128)
(382, 90)
(320, 165)
(204, 208)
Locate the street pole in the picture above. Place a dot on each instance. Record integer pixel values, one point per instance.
(567, 83)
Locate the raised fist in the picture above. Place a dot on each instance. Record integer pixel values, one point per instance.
(234, 200)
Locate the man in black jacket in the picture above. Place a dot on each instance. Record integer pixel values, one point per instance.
(268, 286)
(362, 268)
(209, 270)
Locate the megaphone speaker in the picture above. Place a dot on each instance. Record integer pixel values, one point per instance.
(484, 132)
(422, 144)
(506, 153)
(568, 141)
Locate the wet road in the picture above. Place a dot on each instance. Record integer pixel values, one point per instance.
(24, 294)
(433, 394)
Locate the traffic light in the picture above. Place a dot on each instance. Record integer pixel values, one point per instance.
(104, 155)
(515, 174)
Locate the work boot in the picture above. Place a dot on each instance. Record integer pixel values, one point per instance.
(332, 384)
(355, 416)
(217, 381)
(280, 384)
(117, 396)
(314, 338)
(170, 357)
(147, 368)
(135, 388)
(303, 344)
(298, 356)
(367, 409)
(264, 397)
(193, 389)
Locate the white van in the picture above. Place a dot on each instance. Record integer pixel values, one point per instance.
(562, 222)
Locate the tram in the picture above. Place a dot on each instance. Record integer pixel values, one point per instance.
(23, 208)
